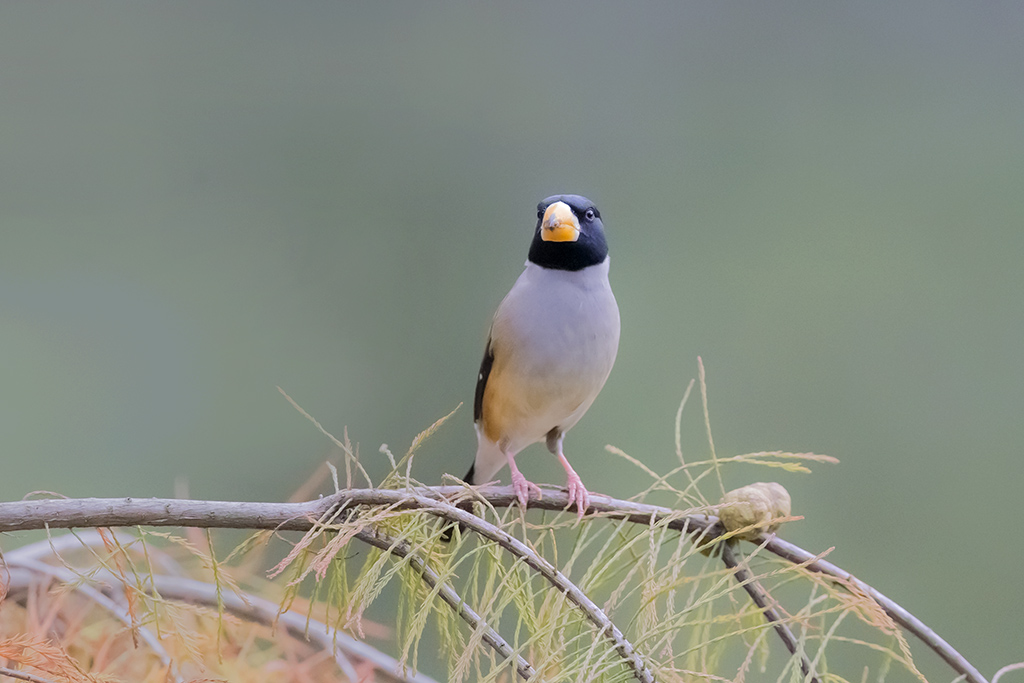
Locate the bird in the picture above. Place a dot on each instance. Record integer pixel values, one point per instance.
(551, 347)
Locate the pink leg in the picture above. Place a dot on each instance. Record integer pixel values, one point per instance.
(578, 493)
(520, 485)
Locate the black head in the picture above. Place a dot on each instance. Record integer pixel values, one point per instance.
(569, 234)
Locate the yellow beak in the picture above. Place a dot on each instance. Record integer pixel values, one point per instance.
(559, 224)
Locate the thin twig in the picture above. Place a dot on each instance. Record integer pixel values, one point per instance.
(246, 606)
(266, 612)
(679, 436)
(556, 578)
(954, 659)
(450, 597)
(761, 598)
(93, 512)
(23, 676)
(707, 421)
(119, 612)
(1007, 669)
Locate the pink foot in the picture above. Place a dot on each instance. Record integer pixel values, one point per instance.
(578, 493)
(523, 488)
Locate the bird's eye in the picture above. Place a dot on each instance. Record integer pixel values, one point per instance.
(540, 214)
(590, 214)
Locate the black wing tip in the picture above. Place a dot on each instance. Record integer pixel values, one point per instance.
(481, 382)
(446, 535)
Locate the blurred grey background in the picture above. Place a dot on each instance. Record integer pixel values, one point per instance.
(200, 201)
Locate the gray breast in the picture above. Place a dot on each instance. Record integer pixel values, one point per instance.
(561, 324)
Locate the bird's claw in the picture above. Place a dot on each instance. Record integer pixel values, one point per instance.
(523, 487)
(578, 494)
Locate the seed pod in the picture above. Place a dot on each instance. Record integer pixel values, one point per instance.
(757, 505)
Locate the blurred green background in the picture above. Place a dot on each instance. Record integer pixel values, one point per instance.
(201, 201)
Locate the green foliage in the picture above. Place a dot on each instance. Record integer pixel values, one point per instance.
(681, 609)
(633, 591)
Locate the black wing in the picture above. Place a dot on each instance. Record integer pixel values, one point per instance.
(481, 382)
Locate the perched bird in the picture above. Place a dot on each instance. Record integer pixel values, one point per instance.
(551, 347)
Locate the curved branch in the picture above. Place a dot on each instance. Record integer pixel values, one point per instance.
(117, 611)
(449, 596)
(763, 601)
(246, 606)
(23, 675)
(259, 609)
(92, 512)
(1007, 669)
(556, 578)
(954, 659)
(268, 613)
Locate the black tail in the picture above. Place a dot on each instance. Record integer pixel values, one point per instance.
(446, 535)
